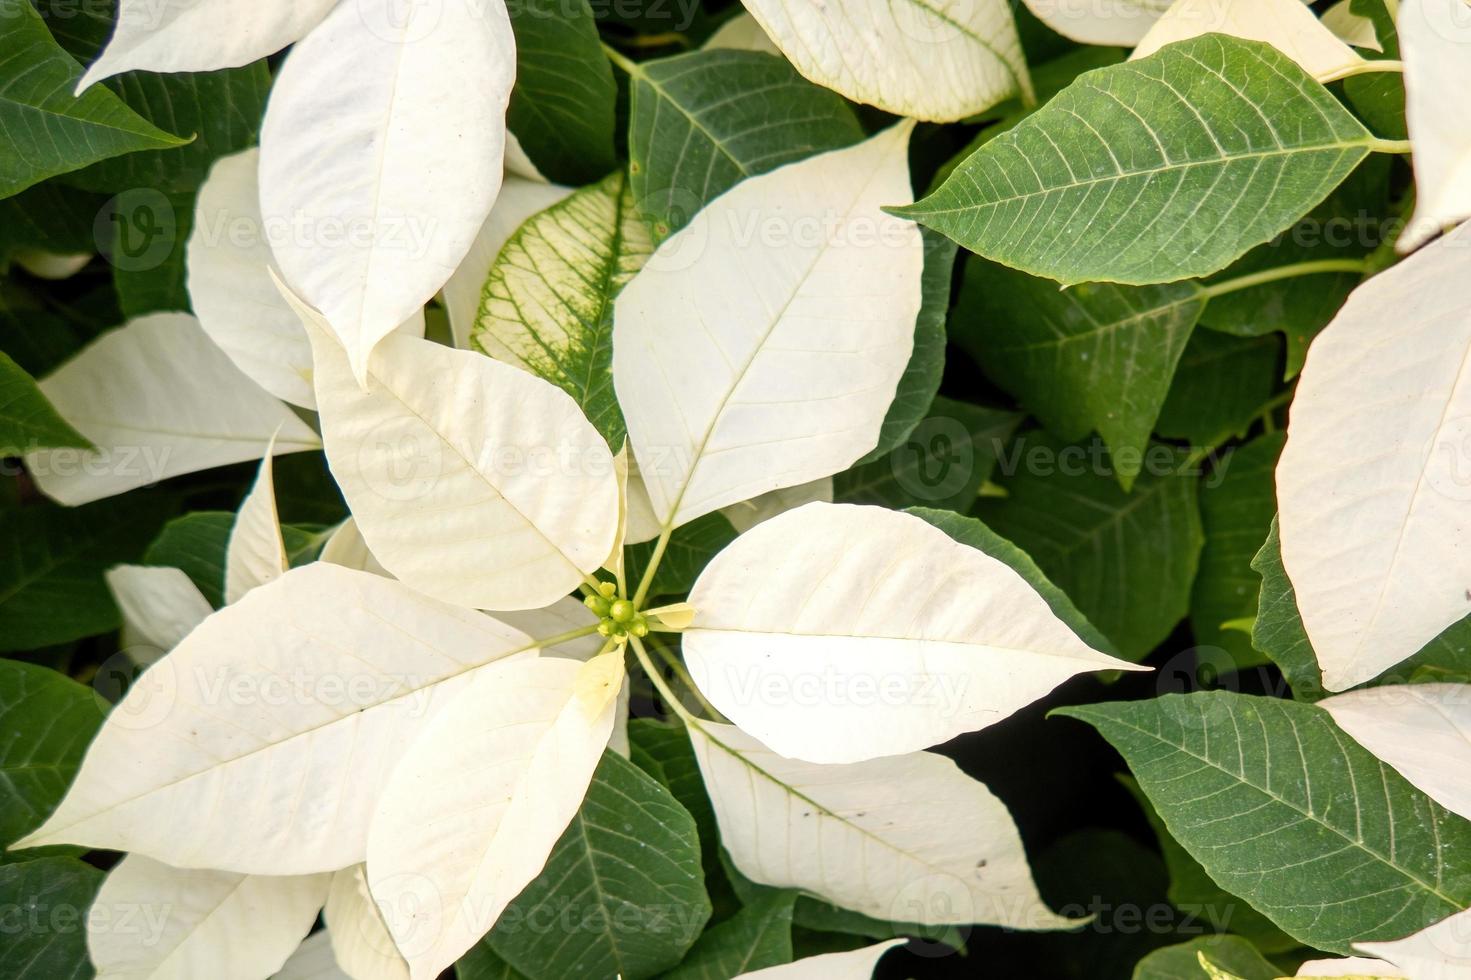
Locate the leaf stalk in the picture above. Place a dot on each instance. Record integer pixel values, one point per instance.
(1292, 271)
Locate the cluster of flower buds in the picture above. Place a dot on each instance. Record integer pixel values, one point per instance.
(620, 618)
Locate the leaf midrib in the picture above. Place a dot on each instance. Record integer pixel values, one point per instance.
(1241, 779)
(1364, 143)
(739, 379)
(798, 794)
(1110, 326)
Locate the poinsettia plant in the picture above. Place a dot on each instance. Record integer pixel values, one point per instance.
(535, 487)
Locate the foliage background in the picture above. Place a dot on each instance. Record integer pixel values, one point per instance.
(1092, 845)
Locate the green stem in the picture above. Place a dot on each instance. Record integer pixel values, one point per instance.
(1284, 272)
(1271, 405)
(622, 60)
(1389, 146)
(660, 684)
(647, 582)
(667, 655)
(660, 40)
(1197, 457)
(552, 641)
(1365, 68)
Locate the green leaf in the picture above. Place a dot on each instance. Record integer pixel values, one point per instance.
(37, 337)
(970, 531)
(27, 420)
(758, 936)
(701, 122)
(1279, 633)
(941, 463)
(50, 217)
(1221, 385)
(1347, 225)
(1095, 357)
(1379, 98)
(221, 109)
(147, 253)
(1182, 962)
(1283, 809)
(195, 544)
(482, 964)
(1385, 29)
(562, 106)
(663, 751)
(1112, 875)
(51, 586)
(1195, 893)
(46, 903)
(46, 722)
(626, 875)
(1153, 170)
(1126, 559)
(547, 304)
(690, 549)
(1237, 504)
(50, 131)
(816, 915)
(921, 378)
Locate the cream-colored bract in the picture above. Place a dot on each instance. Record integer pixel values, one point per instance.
(313, 960)
(262, 742)
(201, 35)
(909, 838)
(345, 546)
(157, 399)
(160, 606)
(1287, 25)
(1422, 730)
(154, 922)
(469, 479)
(853, 964)
(565, 615)
(228, 263)
(361, 944)
(382, 151)
(936, 60)
(1438, 952)
(1348, 968)
(640, 523)
(230, 290)
(544, 306)
(837, 633)
(1434, 37)
(519, 199)
(1121, 22)
(762, 343)
(49, 265)
(1374, 484)
(748, 513)
(475, 806)
(256, 553)
(742, 33)
(1351, 27)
